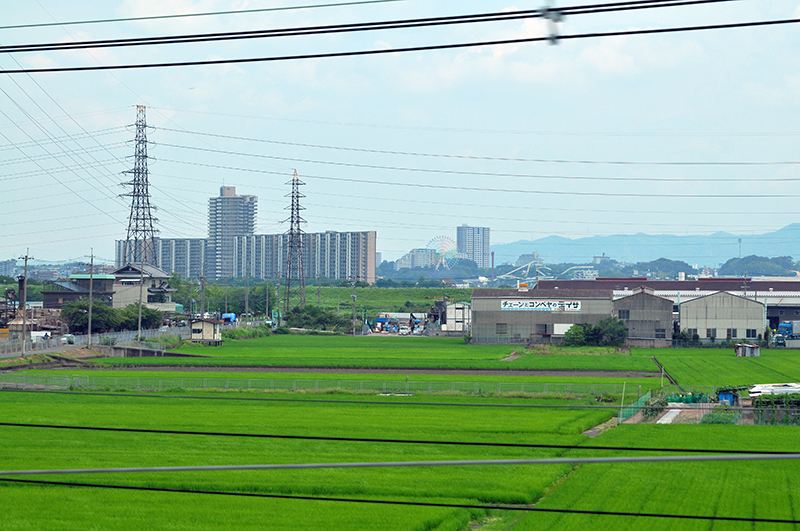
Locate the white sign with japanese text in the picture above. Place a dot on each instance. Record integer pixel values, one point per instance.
(541, 305)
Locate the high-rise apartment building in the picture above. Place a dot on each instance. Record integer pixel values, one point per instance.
(473, 244)
(424, 257)
(332, 255)
(229, 216)
(184, 256)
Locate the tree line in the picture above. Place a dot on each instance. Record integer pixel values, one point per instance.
(106, 318)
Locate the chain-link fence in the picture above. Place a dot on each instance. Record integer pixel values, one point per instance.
(714, 413)
(14, 348)
(46, 381)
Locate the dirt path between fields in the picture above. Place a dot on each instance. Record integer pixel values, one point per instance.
(360, 370)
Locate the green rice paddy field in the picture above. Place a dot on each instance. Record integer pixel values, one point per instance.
(60, 507)
(758, 489)
(772, 488)
(390, 352)
(719, 366)
(124, 378)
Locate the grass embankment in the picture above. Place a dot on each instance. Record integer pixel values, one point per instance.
(59, 507)
(720, 366)
(375, 300)
(387, 352)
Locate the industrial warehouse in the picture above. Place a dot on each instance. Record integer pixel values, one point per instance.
(653, 311)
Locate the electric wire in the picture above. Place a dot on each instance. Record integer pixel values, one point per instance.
(190, 15)
(518, 175)
(49, 156)
(422, 48)
(64, 151)
(359, 26)
(405, 441)
(479, 205)
(485, 131)
(486, 158)
(579, 193)
(526, 508)
(99, 132)
(408, 464)
(71, 190)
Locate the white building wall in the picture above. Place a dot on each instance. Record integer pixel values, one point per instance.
(715, 314)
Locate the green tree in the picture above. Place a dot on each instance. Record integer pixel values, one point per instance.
(316, 318)
(104, 318)
(130, 317)
(593, 335)
(612, 331)
(575, 336)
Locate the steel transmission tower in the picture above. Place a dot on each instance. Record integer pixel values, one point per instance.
(294, 293)
(140, 244)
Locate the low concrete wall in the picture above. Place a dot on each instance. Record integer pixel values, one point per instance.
(635, 342)
(137, 352)
(113, 351)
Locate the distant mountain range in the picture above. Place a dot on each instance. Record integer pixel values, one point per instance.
(710, 250)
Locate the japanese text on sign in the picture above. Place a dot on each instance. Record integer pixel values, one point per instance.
(542, 306)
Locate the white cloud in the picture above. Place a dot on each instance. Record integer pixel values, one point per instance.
(608, 57)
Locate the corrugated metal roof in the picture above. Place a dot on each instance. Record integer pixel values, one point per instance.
(542, 294)
(704, 284)
(69, 286)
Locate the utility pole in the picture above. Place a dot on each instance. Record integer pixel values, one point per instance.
(141, 290)
(226, 297)
(353, 283)
(247, 296)
(267, 315)
(91, 279)
(203, 291)
(23, 298)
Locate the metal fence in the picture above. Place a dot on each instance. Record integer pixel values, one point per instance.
(46, 381)
(14, 348)
(11, 349)
(717, 413)
(628, 411)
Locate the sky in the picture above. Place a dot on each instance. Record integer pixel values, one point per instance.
(681, 133)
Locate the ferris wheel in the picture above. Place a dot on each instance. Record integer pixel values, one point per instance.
(445, 252)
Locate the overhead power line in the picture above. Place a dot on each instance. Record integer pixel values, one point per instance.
(402, 50)
(192, 15)
(501, 16)
(498, 174)
(480, 157)
(405, 464)
(400, 441)
(55, 139)
(490, 189)
(526, 508)
(473, 130)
